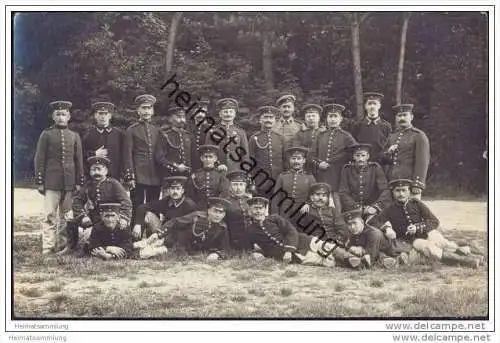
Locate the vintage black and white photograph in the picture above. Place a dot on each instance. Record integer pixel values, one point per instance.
(250, 164)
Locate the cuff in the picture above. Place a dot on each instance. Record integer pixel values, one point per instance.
(419, 183)
(290, 248)
(385, 227)
(128, 175)
(39, 179)
(377, 206)
(421, 227)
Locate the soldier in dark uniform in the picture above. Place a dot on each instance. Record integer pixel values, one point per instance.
(287, 125)
(141, 169)
(198, 126)
(328, 154)
(268, 148)
(407, 151)
(108, 239)
(58, 172)
(174, 147)
(237, 217)
(208, 181)
(307, 135)
(295, 183)
(174, 204)
(104, 140)
(372, 129)
(232, 139)
(363, 184)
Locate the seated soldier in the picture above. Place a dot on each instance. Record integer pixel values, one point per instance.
(173, 204)
(99, 189)
(274, 236)
(412, 224)
(207, 182)
(197, 232)
(363, 184)
(368, 242)
(108, 240)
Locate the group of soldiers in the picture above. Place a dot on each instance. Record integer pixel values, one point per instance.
(323, 191)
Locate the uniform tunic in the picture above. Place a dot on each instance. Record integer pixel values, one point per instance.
(268, 149)
(166, 207)
(206, 183)
(95, 193)
(199, 136)
(220, 136)
(59, 159)
(112, 140)
(411, 159)
(296, 185)
(174, 147)
(330, 147)
(372, 240)
(364, 186)
(101, 236)
(288, 129)
(139, 145)
(328, 218)
(193, 233)
(402, 215)
(375, 132)
(306, 137)
(238, 220)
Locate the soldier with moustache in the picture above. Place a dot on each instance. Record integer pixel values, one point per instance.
(372, 129)
(287, 125)
(307, 135)
(174, 147)
(104, 140)
(141, 170)
(267, 147)
(407, 152)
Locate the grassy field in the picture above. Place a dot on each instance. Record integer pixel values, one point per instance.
(188, 287)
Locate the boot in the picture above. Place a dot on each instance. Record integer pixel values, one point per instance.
(354, 262)
(463, 250)
(403, 259)
(451, 258)
(388, 262)
(366, 260)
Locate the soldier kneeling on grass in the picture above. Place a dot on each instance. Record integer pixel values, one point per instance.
(108, 240)
(411, 224)
(197, 232)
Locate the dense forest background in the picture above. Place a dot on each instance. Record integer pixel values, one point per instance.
(88, 56)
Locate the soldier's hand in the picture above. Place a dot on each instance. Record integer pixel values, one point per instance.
(355, 250)
(131, 184)
(116, 251)
(41, 190)
(416, 191)
(182, 167)
(101, 152)
(98, 252)
(411, 229)
(213, 257)
(392, 148)
(304, 208)
(390, 234)
(370, 210)
(258, 256)
(323, 165)
(78, 188)
(287, 257)
(222, 168)
(123, 223)
(86, 221)
(136, 231)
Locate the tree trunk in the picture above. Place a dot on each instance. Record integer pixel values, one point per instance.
(171, 43)
(267, 60)
(399, 83)
(356, 59)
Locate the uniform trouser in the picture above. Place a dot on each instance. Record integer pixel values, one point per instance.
(143, 193)
(329, 251)
(150, 247)
(434, 245)
(376, 243)
(56, 204)
(152, 224)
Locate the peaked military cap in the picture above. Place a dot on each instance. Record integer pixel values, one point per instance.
(204, 101)
(98, 160)
(320, 186)
(353, 214)
(286, 98)
(109, 207)
(300, 149)
(60, 105)
(403, 108)
(103, 106)
(258, 201)
(208, 148)
(170, 180)
(312, 106)
(360, 146)
(145, 99)
(220, 202)
(227, 103)
(268, 110)
(335, 108)
(400, 183)
(373, 96)
(237, 176)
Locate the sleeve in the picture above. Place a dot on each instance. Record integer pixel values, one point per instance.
(290, 233)
(87, 152)
(223, 186)
(422, 158)
(95, 240)
(385, 157)
(252, 146)
(40, 158)
(297, 139)
(170, 230)
(121, 137)
(274, 204)
(78, 203)
(313, 159)
(127, 243)
(123, 198)
(429, 220)
(220, 243)
(79, 175)
(154, 207)
(160, 155)
(380, 220)
(384, 198)
(346, 199)
(128, 163)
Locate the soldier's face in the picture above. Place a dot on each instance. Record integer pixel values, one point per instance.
(333, 119)
(178, 120)
(404, 118)
(320, 198)
(208, 159)
(360, 157)
(238, 188)
(98, 171)
(216, 213)
(355, 226)
(110, 219)
(372, 108)
(102, 118)
(227, 114)
(297, 161)
(258, 212)
(267, 120)
(61, 117)
(401, 193)
(311, 118)
(145, 111)
(287, 108)
(200, 114)
(176, 191)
